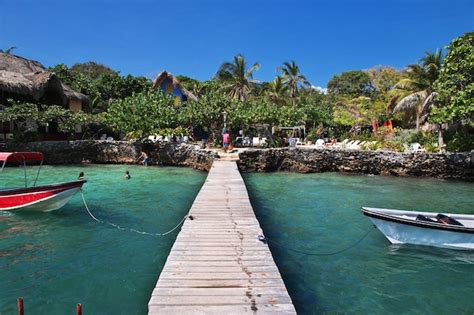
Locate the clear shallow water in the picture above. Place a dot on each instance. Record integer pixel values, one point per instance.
(58, 259)
(320, 213)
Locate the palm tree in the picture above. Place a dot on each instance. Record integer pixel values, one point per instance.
(415, 93)
(292, 77)
(237, 77)
(277, 90)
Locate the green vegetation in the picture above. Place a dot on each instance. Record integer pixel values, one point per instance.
(434, 95)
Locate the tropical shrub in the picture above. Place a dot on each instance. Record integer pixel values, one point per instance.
(459, 142)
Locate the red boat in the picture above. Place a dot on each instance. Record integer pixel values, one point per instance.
(35, 198)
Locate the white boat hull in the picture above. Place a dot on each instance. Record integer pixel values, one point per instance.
(49, 204)
(398, 233)
(403, 227)
(40, 198)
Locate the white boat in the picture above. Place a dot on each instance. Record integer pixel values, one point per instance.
(448, 230)
(43, 198)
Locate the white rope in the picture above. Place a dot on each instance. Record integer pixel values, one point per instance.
(126, 229)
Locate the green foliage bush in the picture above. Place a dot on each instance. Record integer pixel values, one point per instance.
(459, 142)
(422, 137)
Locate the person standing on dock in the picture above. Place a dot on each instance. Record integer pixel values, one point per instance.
(225, 140)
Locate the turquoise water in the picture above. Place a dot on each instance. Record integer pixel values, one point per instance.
(62, 258)
(320, 213)
(58, 259)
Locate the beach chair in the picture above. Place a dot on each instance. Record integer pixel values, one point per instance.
(343, 144)
(354, 145)
(320, 144)
(416, 147)
(247, 141)
(256, 141)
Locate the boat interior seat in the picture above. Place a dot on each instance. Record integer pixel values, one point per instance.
(421, 217)
(444, 219)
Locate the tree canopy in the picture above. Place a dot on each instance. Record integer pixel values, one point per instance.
(351, 83)
(455, 84)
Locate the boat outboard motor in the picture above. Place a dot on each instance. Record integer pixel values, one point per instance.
(442, 218)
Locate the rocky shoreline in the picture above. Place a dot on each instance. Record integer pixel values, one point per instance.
(116, 152)
(459, 166)
(309, 160)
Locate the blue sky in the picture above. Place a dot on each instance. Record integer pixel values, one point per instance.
(194, 37)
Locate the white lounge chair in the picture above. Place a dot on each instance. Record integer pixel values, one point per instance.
(354, 145)
(416, 147)
(320, 144)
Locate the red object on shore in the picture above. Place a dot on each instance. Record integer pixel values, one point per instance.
(20, 306)
(79, 309)
(390, 124)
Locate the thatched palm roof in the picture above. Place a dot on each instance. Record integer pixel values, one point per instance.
(167, 75)
(30, 81)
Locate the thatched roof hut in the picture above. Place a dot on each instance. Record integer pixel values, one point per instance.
(29, 81)
(170, 84)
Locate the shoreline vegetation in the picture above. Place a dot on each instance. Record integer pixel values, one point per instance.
(302, 159)
(430, 103)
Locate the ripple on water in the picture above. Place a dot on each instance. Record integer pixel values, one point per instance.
(55, 260)
(321, 213)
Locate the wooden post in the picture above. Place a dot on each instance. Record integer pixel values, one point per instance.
(20, 306)
(79, 309)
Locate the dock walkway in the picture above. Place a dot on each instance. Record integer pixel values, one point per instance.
(217, 264)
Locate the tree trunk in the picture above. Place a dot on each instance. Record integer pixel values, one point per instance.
(440, 138)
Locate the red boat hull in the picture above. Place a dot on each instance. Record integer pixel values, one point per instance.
(40, 198)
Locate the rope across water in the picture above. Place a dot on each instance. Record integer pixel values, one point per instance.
(129, 229)
(266, 239)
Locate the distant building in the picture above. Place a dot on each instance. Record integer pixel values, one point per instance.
(169, 84)
(28, 81)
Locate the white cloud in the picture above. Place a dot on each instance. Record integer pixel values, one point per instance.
(320, 89)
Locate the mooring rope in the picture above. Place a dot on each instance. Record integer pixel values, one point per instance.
(129, 229)
(266, 239)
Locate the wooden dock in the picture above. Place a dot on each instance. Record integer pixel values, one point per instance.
(217, 264)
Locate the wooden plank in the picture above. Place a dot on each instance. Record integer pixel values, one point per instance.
(221, 309)
(218, 291)
(219, 283)
(220, 299)
(217, 264)
(221, 269)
